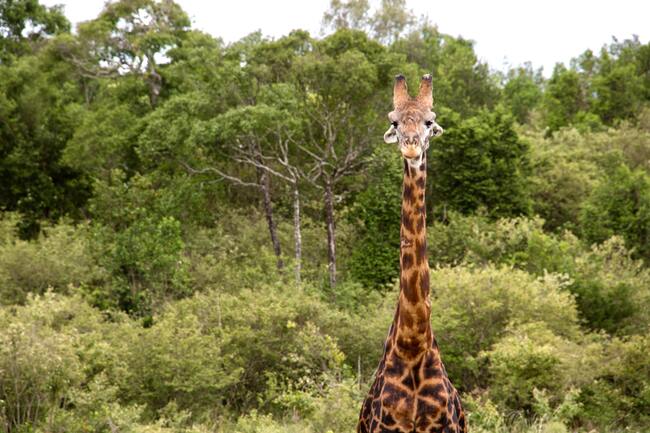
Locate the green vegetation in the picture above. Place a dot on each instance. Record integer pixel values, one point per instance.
(203, 237)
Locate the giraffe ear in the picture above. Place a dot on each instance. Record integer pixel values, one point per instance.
(425, 95)
(390, 136)
(435, 130)
(400, 91)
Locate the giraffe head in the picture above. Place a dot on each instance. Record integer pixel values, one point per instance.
(412, 121)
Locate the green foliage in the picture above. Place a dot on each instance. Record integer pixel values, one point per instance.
(480, 162)
(57, 260)
(375, 257)
(139, 242)
(255, 325)
(185, 364)
(618, 91)
(607, 285)
(564, 99)
(121, 40)
(606, 280)
(37, 368)
(528, 358)
(486, 417)
(146, 260)
(473, 308)
(103, 140)
(620, 204)
(148, 296)
(567, 167)
(522, 92)
(23, 22)
(38, 108)
(621, 389)
(564, 172)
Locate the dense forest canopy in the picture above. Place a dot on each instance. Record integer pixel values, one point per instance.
(198, 236)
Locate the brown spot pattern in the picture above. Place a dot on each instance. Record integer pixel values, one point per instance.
(411, 391)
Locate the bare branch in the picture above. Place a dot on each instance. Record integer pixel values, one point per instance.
(226, 176)
(257, 164)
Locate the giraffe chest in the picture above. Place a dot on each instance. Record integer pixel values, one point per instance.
(412, 397)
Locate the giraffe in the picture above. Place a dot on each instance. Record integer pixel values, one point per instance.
(412, 392)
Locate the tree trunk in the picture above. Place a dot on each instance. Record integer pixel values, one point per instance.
(153, 81)
(331, 240)
(265, 185)
(296, 231)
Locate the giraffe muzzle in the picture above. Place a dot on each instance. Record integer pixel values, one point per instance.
(411, 151)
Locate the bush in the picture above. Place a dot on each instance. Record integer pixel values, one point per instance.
(564, 173)
(185, 364)
(270, 340)
(480, 162)
(620, 204)
(39, 362)
(532, 358)
(376, 211)
(57, 259)
(231, 256)
(486, 417)
(337, 411)
(520, 242)
(96, 408)
(472, 308)
(37, 368)
(607, 281)
(146, 262)
(621, 389)
(256, 423)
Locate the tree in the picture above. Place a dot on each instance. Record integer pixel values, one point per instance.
(280, 125)
(564, 98)
(620, 204)
(480, 162)
(522, 91)
(391, 19)
(618, 93)
(38, 113)
(128, 37)
(461, 82)
(377, 211)
(258, 137)
(23, 22)
(350, 14)
(338, 91)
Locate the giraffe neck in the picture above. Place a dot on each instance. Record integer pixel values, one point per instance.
(413, 334)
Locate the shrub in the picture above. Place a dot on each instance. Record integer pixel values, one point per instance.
(272, 338)
(57, 259)
(256, 423)
(178, 360)
(621, 389)
(472, 308)
(607, 281)
(38, 364)
(520, 242)
(376, 211)
(530, 357)
(480, 162)
(620, 204)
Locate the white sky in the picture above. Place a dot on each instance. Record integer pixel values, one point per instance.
(505, 31)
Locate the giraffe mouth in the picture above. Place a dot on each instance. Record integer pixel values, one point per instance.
(411, 151)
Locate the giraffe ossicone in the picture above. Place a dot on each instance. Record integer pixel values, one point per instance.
(411, 391)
